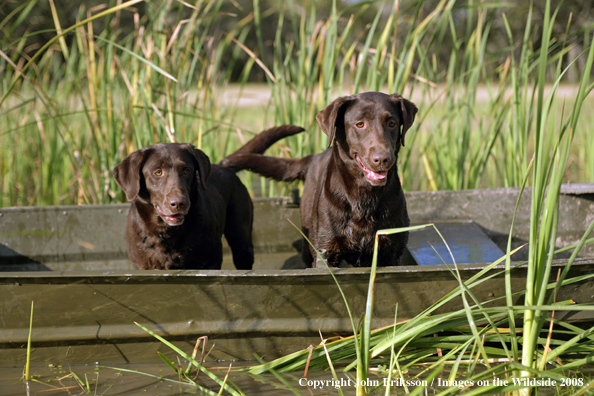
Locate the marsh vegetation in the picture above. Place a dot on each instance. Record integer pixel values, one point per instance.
(76, 99)
(77, 105)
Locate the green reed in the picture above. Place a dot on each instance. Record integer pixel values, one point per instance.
(107, 95)
(74, 108)
(481, 334)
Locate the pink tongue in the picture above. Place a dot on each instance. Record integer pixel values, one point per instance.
(371, 175)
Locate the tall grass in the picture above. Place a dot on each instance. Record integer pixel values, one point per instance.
(70, 113)
(467, 140)
(107, 95)
(78, 105)
(475, 335)
(553, 142)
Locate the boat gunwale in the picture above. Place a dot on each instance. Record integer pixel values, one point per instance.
(580, 264)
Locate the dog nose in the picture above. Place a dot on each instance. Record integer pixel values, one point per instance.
(178, 203)
(381, 158)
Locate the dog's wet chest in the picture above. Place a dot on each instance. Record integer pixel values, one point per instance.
(354, 243)
(169, 249)
(355, 226)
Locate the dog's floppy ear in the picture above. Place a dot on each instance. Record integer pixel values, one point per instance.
(202, 165)
(327, 117)
(127, 174)
(408, 111)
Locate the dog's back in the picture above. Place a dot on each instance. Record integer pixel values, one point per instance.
(352, 189)
(250, 156)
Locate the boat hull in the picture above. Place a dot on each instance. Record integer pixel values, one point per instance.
(71, 262)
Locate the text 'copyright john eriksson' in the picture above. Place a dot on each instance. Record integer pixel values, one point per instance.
(439, 383)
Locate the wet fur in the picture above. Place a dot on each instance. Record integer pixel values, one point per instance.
(219, 204)
(340, 209)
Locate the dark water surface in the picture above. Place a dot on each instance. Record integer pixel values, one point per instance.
(118, 380)
(102, 380)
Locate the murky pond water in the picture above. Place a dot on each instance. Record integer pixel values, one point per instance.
(101, 380)
(157, 379)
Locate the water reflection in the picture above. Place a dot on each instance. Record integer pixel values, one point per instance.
(100, 380)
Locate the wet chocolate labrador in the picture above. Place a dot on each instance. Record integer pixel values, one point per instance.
(181, 207)
(352, 189)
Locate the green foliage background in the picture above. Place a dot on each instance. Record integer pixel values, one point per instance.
(87, 84)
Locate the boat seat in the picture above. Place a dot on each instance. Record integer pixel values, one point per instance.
(468, 243)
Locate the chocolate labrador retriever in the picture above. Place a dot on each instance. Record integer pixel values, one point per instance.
(181, 207)
(352, 189)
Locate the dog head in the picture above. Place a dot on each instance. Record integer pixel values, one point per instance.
(164, 175)
(370, 128)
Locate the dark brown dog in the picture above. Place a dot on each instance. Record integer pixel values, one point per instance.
(352, 189)
(181, 207)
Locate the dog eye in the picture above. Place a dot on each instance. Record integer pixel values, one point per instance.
(158, 172)
(391, 124)
(186, 171)
(360, 124)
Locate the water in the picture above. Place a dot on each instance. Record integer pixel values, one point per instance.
(101, 380)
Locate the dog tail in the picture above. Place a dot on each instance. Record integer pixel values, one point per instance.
(250, 156)
(262, 141)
